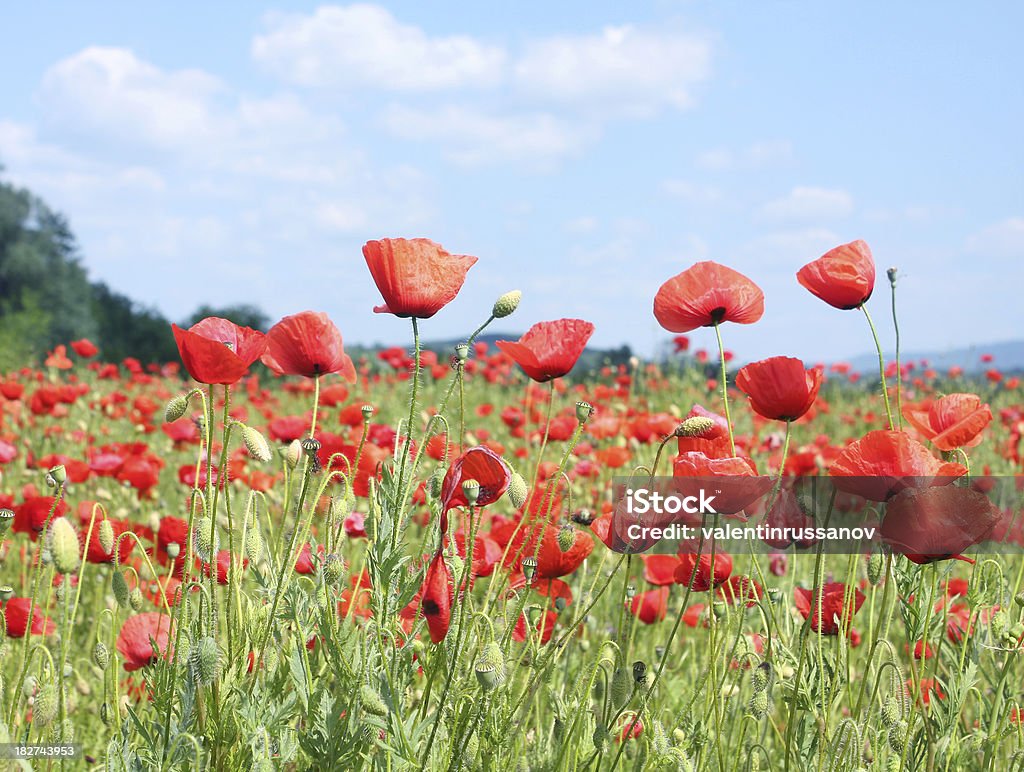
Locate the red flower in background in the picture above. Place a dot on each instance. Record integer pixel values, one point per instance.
(436, 598)
(481, 464)
(85, 348)
(779, 388)
(833, 613)
(650, 606)
(707, 294)
(215, 350)
(552, 561)
(16, 616)
(138, 635)
(950, 422)
(30, 516)
(549, 349)
(307, 344)
(843, 277)
(705, 578)
(884, 462)
(932, 524)
(416, 276)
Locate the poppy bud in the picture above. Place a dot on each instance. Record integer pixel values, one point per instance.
(176, 408)
(876, 564)
(471, 490)
(205, 543)
(206, 661)
(64, 545)
(292, 453)
(761, 677)
(517, 490)
(263, 764)
(694, 426)
(529, 569)
(100, 655)
(566, 537)
(584, 410)
(436, 482)
(106, 536)
(58, 474)
(136, 599)
(6, 518)
(621, 688)
(506, 304)
(897, 736)
(998, 624)
(333, 569)
(890, 712)
(119, 586)
(44, 710)
(373, 703)
(891, 273)
(256, 444)
(758, 705)
(173, 550)
(640, 672)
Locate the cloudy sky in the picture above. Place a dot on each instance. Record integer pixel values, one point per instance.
(585, 151)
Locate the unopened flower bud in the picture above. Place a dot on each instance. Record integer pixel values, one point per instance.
(333, 569)
(292, 453)
(890, 712)
(897, 736)
(173, 550)
(119, 586)
(64, 546)
(59, 474)
(176, 408)
(760, 677)
(621, 688)
(506, 304)
(136, 599)
(44, 711)
(205, 541)
(106, 536)
(256, 444)
(373, 703)
(758, 706)
(876, 565)
(517, 490)
(566, 537)
(584, 410)
(100, 655)
(694, 426)
(471, 490)
(206, 661)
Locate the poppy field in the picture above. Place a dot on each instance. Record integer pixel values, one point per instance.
(272, 556)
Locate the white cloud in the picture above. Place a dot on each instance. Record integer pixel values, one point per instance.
(1003, 240)
(692, 192)
(343, 216)
(620, 69)
(809, 203)
(364, 46)
(582, 224)
(474, 137)
(112, 92)
(754, 156)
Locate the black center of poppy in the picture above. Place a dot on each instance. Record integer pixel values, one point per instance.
(717, 314)
(316, 368)
(430, 607)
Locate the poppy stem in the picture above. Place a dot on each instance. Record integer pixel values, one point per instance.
(725, 388)
(899, 370)
(413, 395)
(881, 366)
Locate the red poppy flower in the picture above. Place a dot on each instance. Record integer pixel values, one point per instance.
(950, 422)
(552, 561)
(481, 464)
(779, 388)
(416, 276)
(436, 598)
(707, 294)
(843, 277)
(650, 606)
(937, 523)
(833, 614)
(95, 553)
(545, 627)
(549, 349)
(215, 350)
(307, 344)
(884, 462)
(705, 578)
(660, 569)
(30, 516)
(734, 478)
(85, 348)
(16, 616)
(138, 635)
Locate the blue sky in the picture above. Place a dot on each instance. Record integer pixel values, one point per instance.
(585, 152)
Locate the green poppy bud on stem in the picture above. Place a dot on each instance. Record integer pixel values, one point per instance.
(694, 426)
(119, 586)
(206, 661)
(176, 408)
(106, 536)
(621, 688)
(57, 475)
(876, 565)
(517, 490)
(256, 444)
(45, 708)
(100, 655)
(566, 537)
(64, 545)
(373, 703)
(506, 304)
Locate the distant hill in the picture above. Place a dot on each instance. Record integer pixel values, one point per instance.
(1007, 357)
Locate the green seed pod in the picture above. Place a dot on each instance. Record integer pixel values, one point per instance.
(621, 688)
(206, 661)
(176, 408)
(100, 655)
(119, 586)
(566, 537)
(64, 546)
(256, 444)
(529, 566)
(584, 411)
(57, 475)
(6, 518)
(640, 672)
(506, 304)
(45, 708)
(471, 490)
(106, 536)
(490, 667)
(373, 703)
(517, 490)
